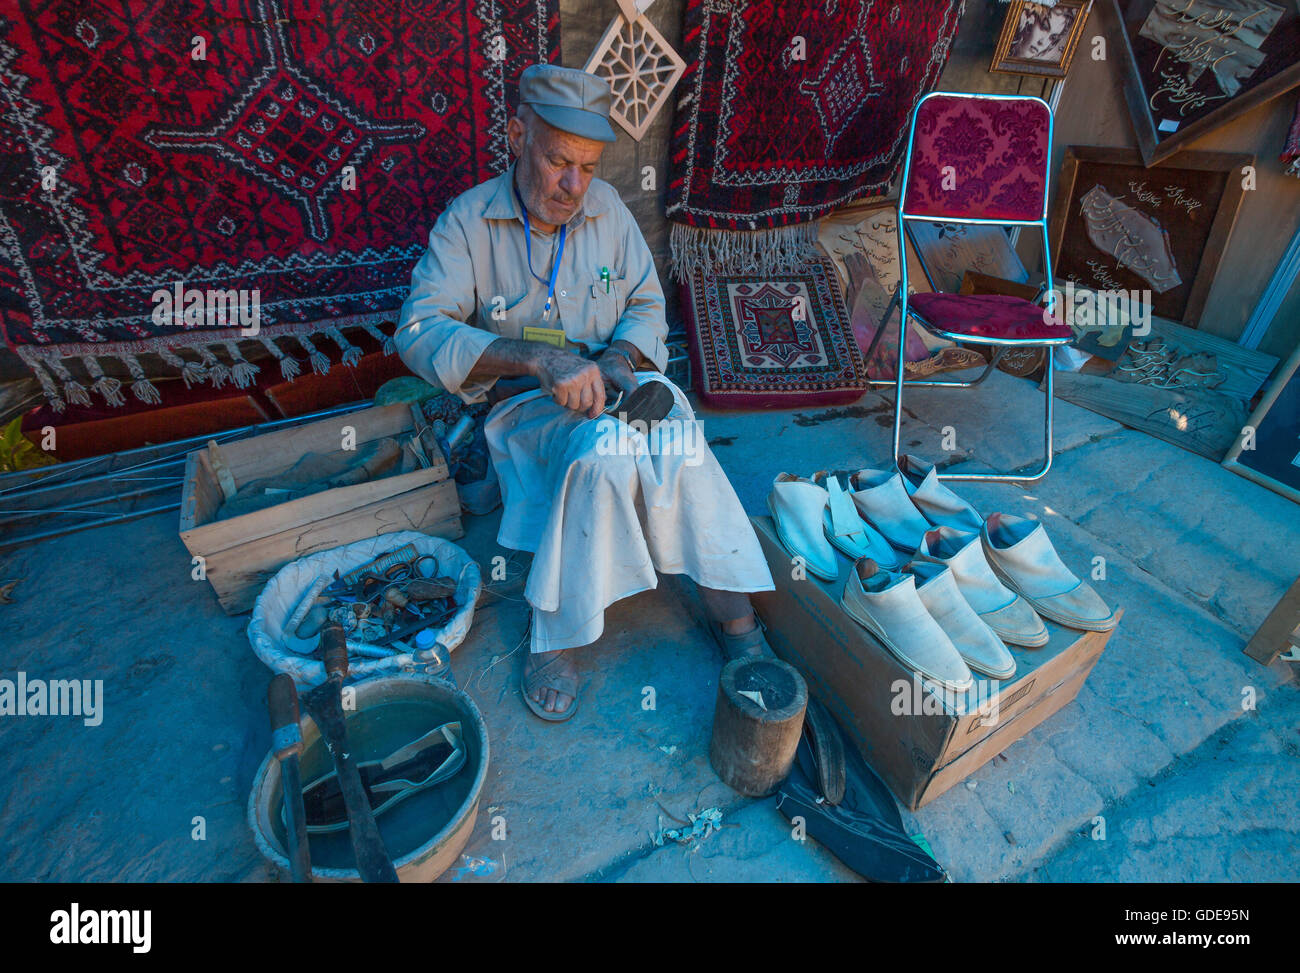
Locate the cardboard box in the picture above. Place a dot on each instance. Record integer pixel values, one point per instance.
(920, 739)
(242, 553)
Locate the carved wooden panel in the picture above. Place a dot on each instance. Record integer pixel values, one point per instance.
(641, 68)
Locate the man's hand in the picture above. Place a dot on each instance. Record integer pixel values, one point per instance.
(617, 372)
(572, 381)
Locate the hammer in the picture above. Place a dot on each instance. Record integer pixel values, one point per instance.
(325, 704)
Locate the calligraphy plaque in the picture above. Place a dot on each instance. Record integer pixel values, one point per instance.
(1192, 65)
(1117, 225)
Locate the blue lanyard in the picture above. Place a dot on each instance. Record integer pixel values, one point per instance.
(528, 251)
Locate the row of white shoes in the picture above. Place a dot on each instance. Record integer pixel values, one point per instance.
(941, 586)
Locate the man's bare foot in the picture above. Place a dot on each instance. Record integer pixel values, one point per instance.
(550, 699)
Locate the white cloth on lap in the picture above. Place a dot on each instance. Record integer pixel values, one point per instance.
(603, 508)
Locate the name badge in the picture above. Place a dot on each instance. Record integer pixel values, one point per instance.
(547, 336)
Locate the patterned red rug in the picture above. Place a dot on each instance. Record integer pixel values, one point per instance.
(777, 341)
(296, 152)
(788, 110)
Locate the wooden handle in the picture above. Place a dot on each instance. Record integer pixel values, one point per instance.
(427, 590)
(282, 704)
(334, 650)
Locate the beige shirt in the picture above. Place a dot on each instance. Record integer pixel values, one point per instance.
(473, 284)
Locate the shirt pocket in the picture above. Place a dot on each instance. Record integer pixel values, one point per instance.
(609, 300)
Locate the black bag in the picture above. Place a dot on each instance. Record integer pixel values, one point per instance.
(864, 829)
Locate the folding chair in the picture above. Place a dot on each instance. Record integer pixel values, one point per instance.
(980, 159)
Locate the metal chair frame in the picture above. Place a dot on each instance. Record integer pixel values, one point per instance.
(1000, 345)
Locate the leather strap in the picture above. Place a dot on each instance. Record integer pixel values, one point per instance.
(844, 515)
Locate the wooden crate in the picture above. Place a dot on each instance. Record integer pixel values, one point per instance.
(242, 553)
(919, 742)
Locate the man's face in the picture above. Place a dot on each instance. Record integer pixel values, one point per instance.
(554, 169)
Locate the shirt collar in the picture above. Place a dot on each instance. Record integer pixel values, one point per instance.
(503, 205)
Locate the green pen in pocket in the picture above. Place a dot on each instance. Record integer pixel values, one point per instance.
(604, 277)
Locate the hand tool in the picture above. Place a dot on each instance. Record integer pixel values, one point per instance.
(325, 704)
(432, 620)
(286, 741)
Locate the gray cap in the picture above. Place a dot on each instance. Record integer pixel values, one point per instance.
(571, 100)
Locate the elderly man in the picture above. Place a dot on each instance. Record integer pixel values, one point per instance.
(539, 293)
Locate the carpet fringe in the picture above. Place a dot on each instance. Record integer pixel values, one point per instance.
(50, 363)
(779, 250)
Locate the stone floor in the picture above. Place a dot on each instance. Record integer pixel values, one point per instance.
(1156, 772)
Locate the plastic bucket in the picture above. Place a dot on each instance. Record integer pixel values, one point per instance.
(426, 832)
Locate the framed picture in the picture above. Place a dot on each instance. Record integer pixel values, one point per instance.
(1118, 225)
(1191, 65)
(1272, 457)
(1040, 40)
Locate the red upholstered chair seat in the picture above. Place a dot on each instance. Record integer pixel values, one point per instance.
(987, 316)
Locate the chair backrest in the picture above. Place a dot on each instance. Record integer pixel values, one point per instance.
(978, 157)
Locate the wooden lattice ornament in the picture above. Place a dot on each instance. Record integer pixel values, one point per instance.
(641, 68)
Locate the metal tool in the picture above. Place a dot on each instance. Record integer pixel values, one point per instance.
(286, 741)
(457, 436)
(325, 704)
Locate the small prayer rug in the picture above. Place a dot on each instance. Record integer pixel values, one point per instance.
(776, 341)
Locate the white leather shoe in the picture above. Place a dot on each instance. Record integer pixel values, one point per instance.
(846, 529)
(1004, 611)
(1021, 554)
(797, 507)
(978, 644)
(887, 605)
(883, 502)
(937, 504)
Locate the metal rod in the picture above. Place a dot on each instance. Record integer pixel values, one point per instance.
(7, 542)
(79, 507)
(263, 427)
(17, 492)
(44, 482)
(172, 470)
